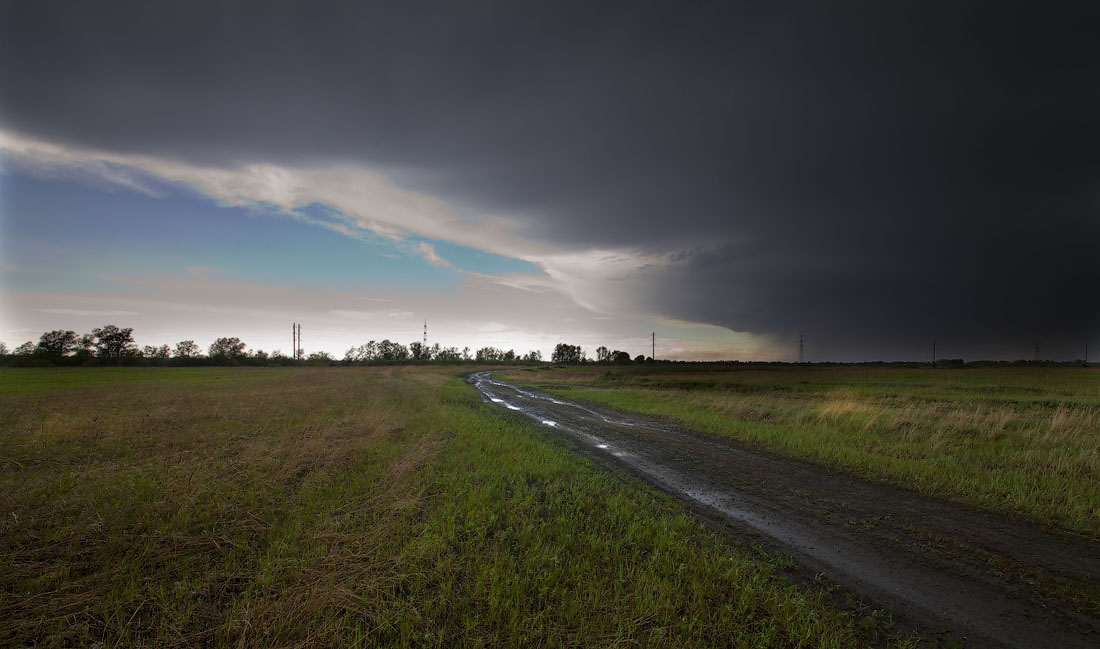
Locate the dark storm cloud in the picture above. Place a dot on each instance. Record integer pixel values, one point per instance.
(880, 174)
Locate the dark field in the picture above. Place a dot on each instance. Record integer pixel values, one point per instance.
(352, 507)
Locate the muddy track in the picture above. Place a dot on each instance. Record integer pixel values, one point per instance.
(951, 573)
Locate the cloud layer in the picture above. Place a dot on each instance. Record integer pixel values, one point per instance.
(879, 175)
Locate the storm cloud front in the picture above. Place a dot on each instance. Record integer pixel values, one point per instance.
(879, 176)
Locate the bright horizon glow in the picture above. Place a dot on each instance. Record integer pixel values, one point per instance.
(195, 253)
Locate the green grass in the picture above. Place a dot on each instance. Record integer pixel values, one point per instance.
(348, 507)
(1019, 440)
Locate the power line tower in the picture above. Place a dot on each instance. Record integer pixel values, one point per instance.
(801, 347)
(425, 333)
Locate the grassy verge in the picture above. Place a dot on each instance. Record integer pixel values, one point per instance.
(347, 507)
(1019, 440)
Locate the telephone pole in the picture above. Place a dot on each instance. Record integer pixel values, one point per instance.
(801, 347)
(653, 345)
(295, 340)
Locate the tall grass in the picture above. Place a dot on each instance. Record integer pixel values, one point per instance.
(1018, 440)
(347, 507)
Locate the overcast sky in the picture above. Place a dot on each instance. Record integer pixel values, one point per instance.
(878, 175)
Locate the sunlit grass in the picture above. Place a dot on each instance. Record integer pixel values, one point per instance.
(348, 507)
(1020, 440)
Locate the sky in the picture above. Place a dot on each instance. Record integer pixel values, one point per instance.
(875, 177)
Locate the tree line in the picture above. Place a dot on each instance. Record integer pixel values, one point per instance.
(113, 345)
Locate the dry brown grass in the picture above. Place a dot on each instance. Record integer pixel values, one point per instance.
(130, 506)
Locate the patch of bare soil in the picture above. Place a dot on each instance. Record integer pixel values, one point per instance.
(951, 573)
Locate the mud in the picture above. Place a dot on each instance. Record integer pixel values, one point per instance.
(950, 573)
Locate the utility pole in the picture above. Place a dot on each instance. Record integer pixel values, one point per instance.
(295, 339)
(1086, 353)
(801, 347)
(653, 345)
(425, 333)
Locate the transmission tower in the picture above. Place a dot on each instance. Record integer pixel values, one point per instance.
(425, 333)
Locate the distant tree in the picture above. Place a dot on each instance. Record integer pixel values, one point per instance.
(320, 356)
(259, 355)
(448, 354)
(187, 349)
(417, 351)
(58, 343)
(86, 345)
(114, 342)
(465, 353)
(620, 357)
(639, 358)
(362, 353)
(3, 348)
(391, 351)
(489, 355)
(156, 353)
(227, 349)
(603, 355)
(534, 356)
(567, 354)
(26, 349)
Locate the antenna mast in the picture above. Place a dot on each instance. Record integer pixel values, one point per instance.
(425, 333)
(801, 347)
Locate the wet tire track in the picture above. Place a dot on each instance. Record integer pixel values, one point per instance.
(949, 571)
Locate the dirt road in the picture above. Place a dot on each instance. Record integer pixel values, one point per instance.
(953, 574)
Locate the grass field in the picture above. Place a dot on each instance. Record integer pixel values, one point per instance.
(1013, 439)
(298, 507)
